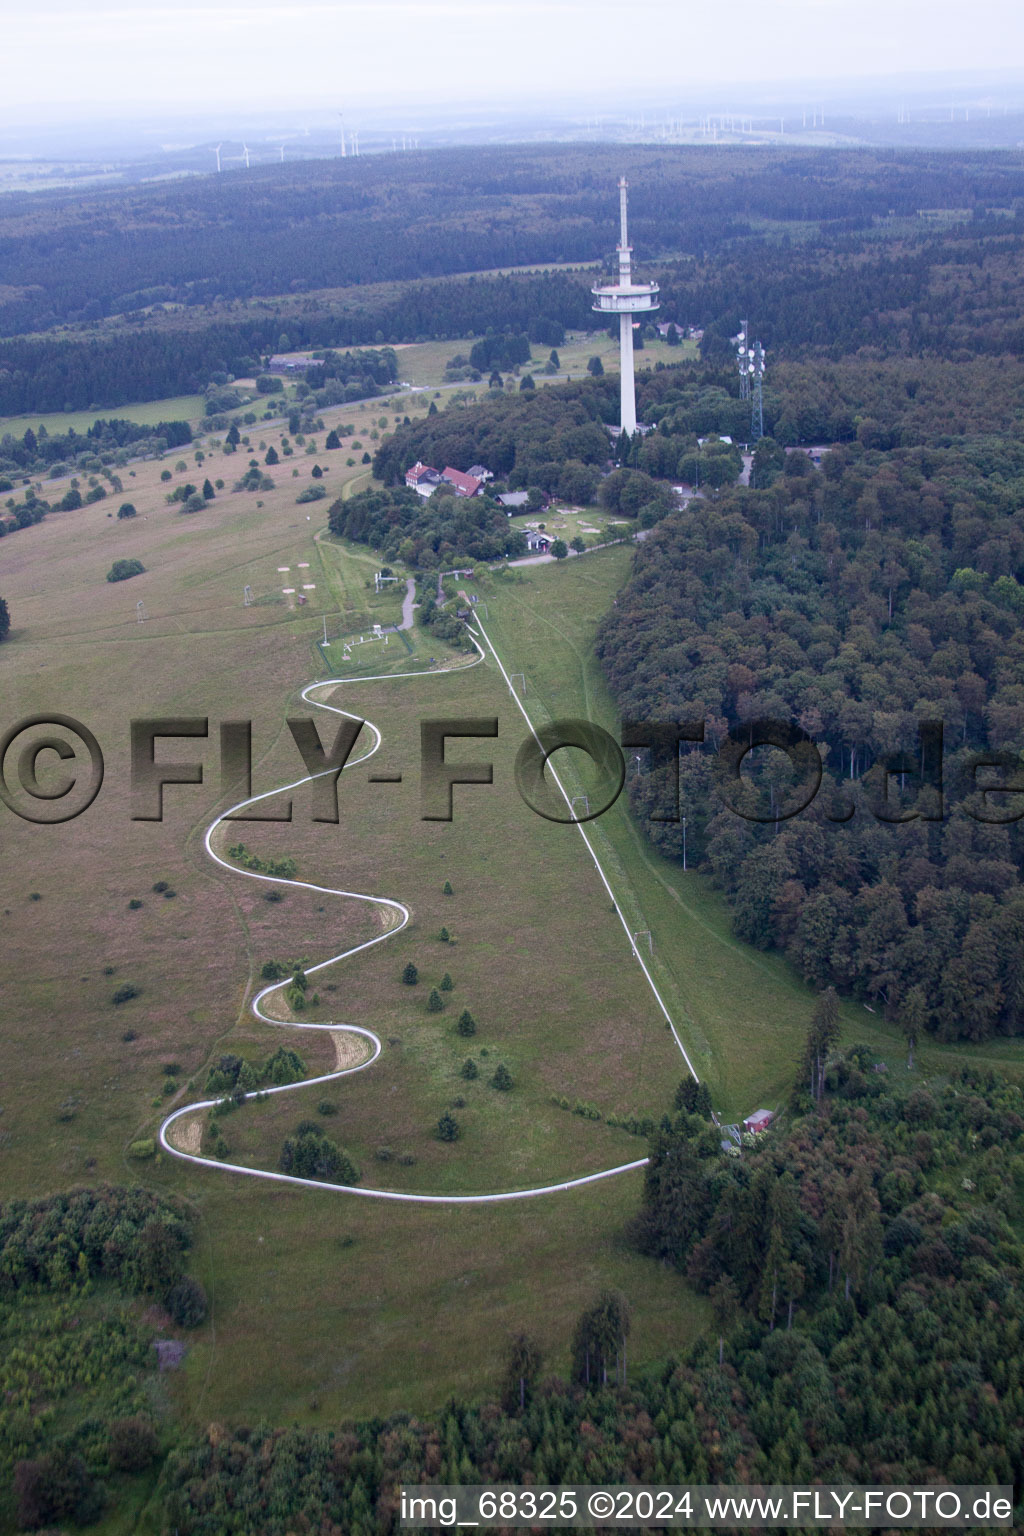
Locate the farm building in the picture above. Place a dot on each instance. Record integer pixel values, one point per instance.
(537, 543)
(760, 1120)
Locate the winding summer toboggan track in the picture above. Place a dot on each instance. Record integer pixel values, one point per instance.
(400, 911)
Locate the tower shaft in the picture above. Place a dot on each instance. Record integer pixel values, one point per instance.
(627, 386)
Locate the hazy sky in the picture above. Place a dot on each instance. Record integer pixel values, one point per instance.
(65, 55)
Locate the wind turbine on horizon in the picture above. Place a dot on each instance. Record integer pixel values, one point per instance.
(343, 151)
(245, 155)
(217, 153)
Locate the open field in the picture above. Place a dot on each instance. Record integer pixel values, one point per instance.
(177, 408)
(83, 1078)
(421, 364)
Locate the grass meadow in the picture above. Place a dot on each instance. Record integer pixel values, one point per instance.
(147, 414)
(357, 1305)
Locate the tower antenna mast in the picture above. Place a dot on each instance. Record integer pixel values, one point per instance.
(625, 299)
(756, 370)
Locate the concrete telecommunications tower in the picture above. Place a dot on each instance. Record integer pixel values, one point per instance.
(626, 300)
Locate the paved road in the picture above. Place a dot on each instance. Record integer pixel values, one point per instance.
(407, 602)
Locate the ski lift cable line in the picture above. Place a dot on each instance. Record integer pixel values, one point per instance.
(597, 863)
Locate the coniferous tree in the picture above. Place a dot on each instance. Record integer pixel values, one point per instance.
(599, 1342)
(523, 1362)
(448, 1127)
(726, 1304)
(822, 1036)
(686, 1095)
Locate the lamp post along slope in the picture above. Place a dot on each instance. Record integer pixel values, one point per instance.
(626, 299)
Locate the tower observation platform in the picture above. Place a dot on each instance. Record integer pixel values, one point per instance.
(626, 299)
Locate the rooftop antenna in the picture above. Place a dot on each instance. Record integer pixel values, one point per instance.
(217, 153)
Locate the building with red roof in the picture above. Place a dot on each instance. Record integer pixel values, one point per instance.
(422, 478)
(461, 484)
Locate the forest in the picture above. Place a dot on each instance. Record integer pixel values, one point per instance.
(69, 257)
(524, 437)
(855, 600)
(864, 1272)
(109, 298)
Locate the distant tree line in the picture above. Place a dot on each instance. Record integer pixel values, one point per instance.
(35, 451)
(322, 224)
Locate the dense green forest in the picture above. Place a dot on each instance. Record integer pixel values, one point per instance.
(863, 1262)
(825, 248)
(529, 437)
(855, 600)
(326, 224)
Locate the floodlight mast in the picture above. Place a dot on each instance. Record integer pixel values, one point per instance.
(625, 299)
